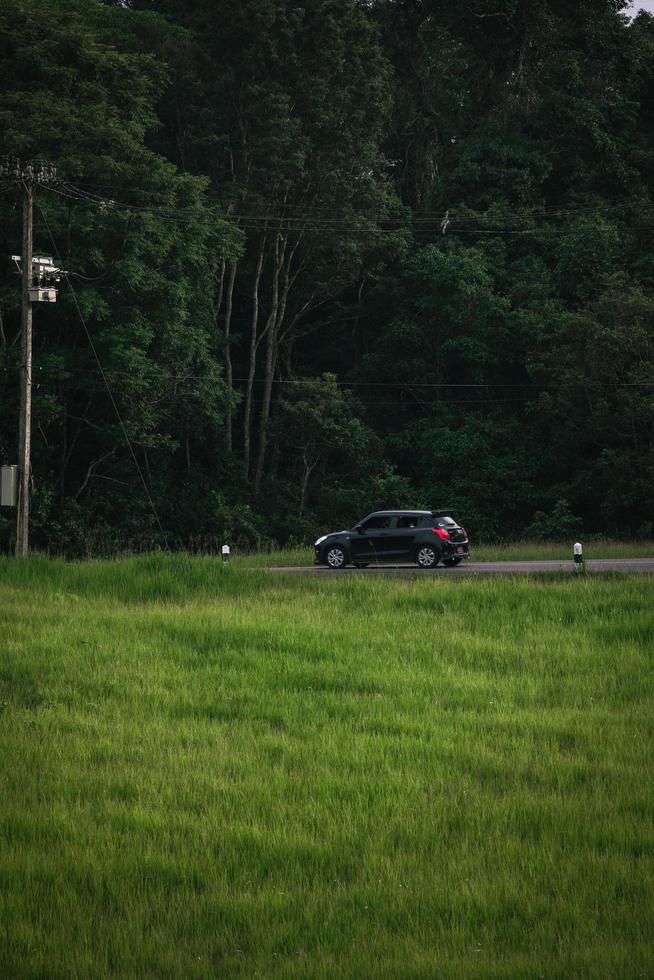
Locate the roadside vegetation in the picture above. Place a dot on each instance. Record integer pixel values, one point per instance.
(210, 771)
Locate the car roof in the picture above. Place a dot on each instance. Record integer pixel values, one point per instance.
(400, 512)
(427, 513)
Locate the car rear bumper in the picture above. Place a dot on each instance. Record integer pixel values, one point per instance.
(457, 549)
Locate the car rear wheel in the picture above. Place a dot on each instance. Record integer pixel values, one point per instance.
(452, 562)
(336, 557)
(427, 557)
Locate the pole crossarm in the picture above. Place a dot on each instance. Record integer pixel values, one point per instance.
(40, 171)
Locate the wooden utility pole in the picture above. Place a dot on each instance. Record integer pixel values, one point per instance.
(26, 176)
(25, 420)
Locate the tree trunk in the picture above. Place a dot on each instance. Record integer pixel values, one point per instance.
(282, 262)
(64, 453)
(228, 357)
(271, 359)
(218, 295)
(308, 470)
(254, 344)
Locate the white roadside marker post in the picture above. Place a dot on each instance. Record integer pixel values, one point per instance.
(578, 557)
(225, 551)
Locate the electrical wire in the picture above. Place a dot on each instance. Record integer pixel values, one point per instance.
(71, 192)
(105, 379)
(454, 214)
(297, 225)
(426, 384)
(461, 221)
(465, 224)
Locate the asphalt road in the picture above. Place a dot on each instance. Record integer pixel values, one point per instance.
(625, 565)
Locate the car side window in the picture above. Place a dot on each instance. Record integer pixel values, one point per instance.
(377, 521)
(407, 522)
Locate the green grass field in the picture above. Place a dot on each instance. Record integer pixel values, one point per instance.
(207, 771)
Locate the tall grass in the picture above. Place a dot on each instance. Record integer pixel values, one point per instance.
(553, 550)
(208, 772)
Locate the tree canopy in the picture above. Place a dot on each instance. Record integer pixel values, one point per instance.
(332, 257)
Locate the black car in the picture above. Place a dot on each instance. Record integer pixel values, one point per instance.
(425, 537)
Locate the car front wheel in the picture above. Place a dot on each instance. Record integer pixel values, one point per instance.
(336, 557)
(427, 557)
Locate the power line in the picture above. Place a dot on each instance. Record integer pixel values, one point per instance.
(459, 225)
(455, 214)
(531, 388)
(298, 225)
(461, 221)
(106, 382)
(427, 384)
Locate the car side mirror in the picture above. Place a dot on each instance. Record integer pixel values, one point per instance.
(359, 529)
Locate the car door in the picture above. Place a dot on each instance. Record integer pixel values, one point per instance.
(402, 536)
(373, 542)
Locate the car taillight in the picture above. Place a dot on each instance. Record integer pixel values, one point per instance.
(443, 535)
(466, 533)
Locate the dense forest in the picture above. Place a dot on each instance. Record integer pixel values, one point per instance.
(330, 256)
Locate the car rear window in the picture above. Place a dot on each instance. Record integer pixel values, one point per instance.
(443, 522)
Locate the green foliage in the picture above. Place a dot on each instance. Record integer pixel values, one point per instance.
(436, 222)
(559, 522)
(138, 273)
